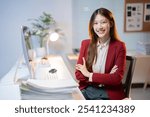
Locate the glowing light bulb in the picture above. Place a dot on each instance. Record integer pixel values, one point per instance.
(54, 36)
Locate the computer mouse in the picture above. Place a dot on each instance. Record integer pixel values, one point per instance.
(52, 70)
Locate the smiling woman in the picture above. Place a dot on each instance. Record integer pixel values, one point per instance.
(101, 63)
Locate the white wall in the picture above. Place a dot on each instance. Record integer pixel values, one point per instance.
(81, 17)
(129, 38)
(72, 15)
(82, 11)
(15, 13)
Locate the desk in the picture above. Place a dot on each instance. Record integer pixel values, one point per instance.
(13, 92)
(142, 68)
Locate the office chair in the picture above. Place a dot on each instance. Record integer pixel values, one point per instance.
(127, 79)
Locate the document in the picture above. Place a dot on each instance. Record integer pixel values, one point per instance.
(32, 94)
(48, 89)
(52, 84)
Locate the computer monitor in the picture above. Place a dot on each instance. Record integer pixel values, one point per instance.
(25, 34)
(29, 59)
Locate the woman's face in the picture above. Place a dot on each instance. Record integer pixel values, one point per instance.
(101, 26)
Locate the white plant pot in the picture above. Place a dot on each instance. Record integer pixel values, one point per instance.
(41, 52)
(32, 54)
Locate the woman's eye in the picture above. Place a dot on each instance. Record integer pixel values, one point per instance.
(103, 22)
(95, 23)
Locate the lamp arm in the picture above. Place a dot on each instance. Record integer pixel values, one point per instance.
(47, 47)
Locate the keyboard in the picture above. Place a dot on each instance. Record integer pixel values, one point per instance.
(49, 73)
(43, 73)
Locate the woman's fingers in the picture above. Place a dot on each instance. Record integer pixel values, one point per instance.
(83, 61)
(79, 66)
(114, 69)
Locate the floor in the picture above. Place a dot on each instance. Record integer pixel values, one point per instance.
(140, 94)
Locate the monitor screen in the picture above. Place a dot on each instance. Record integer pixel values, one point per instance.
(26, 45)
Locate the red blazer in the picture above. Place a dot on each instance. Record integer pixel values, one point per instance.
(116, 56)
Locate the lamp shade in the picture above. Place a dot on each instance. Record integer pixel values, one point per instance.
(54, 36)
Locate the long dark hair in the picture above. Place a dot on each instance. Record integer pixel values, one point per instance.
(92, 50)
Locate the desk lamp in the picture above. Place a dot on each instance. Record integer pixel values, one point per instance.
(53, 36)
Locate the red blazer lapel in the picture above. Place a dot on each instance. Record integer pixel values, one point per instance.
(110, 57)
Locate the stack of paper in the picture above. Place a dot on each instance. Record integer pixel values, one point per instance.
(143, 47)
(48, 89)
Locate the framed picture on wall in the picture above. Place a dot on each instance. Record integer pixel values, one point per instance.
(147, 12)
(134, 17)
(137, 16)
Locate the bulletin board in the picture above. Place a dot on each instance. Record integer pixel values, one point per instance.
(137, 16)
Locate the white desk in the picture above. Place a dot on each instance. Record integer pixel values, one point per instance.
(11, 91)
(142, 68)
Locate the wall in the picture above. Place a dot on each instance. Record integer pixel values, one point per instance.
(72, 15)
(82, 10)
(81, 17)
(129, 38)
(15, 13)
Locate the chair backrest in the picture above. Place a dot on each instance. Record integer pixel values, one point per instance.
(127, 79)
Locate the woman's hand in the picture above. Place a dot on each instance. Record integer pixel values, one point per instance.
(83, 69)
(114, 69)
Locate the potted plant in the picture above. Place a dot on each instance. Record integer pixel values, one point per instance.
(27, 38)
(30, 50)
(41, 27)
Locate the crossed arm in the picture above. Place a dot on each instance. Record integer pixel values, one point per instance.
(86, 73)
(113, 76)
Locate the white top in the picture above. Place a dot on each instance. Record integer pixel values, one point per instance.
(99, 65)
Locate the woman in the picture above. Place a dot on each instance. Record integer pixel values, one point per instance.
(101, 63)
